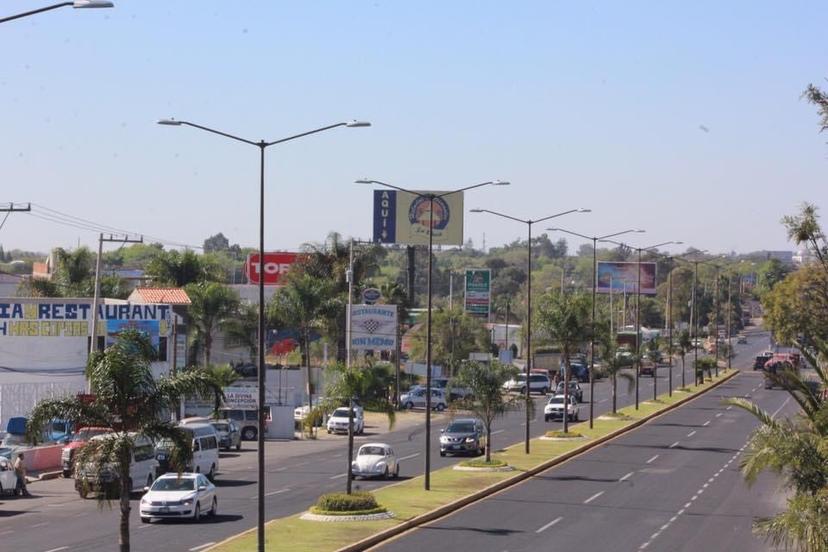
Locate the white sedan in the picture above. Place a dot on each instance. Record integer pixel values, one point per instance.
(375, 460)
(190, 495)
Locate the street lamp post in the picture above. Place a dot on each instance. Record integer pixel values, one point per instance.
(262, 145)
(430, 196)
(595, 240)
(729, 319)
(529, 223)
(79, 4)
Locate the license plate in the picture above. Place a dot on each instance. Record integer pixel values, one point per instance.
(165, 509)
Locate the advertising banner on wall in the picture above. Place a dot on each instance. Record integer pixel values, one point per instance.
(373, 327)
(402, 217)
(621, 276)
(478, 295)
(276, 265)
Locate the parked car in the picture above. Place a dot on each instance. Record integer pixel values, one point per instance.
(463, 435)
(574, 390)
(454, 393)
(94, 478)
(8, 479)
(247, 420)
(78, 440)
(228, 434)
(416, 398)
(189, 495)
(375, 460)
(554, 409)
(338, 422)
(538, 383)
(205, 450)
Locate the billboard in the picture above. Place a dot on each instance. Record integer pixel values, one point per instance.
(373, 327)
(478, 291)
(621, 276)
(276, 265)
(403, 217)
(241, 397)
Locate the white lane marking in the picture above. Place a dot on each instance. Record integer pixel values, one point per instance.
(780, 408)
(283, 468)
(729, 407)
(651, 460)
(691, 433)
(548, 525)
(711, 480)
(9, 532)
(718, 414)
(593, 497)
(687, 505)
(705, 486)
(409, 457)
(338, 476)
(707, 423)
(56, 549)
(40, 524)
(280, 491)
(626, 477)
(663, 527)
(674, 445)
(602, 401)
(495, 432)
(205, 545)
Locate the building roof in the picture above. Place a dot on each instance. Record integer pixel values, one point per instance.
(169, 296)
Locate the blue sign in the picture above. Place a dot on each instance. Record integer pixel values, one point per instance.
(385, 216)
(371, 295)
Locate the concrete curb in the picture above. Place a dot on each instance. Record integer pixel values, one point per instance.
(44, 476)
(449, 508)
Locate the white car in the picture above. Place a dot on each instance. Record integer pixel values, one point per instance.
(190, 495)
(555, 408)
(8, 479)
(338, 422)
(416, 398)
(538, 383)
(375, 460)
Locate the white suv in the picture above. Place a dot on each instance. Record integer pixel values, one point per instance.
(554, 408)
(338, 422)
(538, 383)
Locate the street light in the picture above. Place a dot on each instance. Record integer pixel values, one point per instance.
(638, 320)
(79, 4)
(262, 145)
(694, 313)
(595, 240)
(529, 223)
(430, 196)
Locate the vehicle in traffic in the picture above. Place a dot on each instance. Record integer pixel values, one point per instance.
(463, 436)
(204, 441)
(228, 434)
(8, 479)
(578, 370)
(177, 496)
(375, 460)
(338, 422)
(554, 409)
(538, 383)
(647, 367)
(741, 338)
(78, 440)
(247, 420)
(416, 398)
(95, 477)
(574, 390)
(760, 360)
(454, 393)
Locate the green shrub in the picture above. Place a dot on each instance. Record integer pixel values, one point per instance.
(562, 435)
(341, 502)
(481, 463)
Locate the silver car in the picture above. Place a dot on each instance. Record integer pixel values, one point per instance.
(228, 434)
(416, 398)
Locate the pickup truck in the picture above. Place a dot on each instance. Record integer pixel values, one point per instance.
(554, 409)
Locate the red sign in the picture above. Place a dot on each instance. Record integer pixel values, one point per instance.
(276, 266)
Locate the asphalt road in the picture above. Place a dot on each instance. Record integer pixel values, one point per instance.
(672, 485)
(297, 473)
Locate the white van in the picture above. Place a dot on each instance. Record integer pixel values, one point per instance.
(142, 469)
(205, 449)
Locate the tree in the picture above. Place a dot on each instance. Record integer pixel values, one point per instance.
(704, 365)
(244, 327)
(173, 268)
(128, 400)
(565, 319)
(820, 99)
(613, 362)
(212, 304)
(487, 400)
(454, 335)
(685, 344)
(221, 376)
(216, 243)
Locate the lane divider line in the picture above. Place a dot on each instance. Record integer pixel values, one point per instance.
(548, 525)
(338, 476)
(593, 497)
(674, 445)
(626, 477)
(58, 549)
(410, 456)
(651, 460)
(707, 423)
(691, 433)
(205, 545)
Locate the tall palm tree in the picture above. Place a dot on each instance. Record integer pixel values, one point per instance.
(221, 376)
(243, 327)
(212, 304)
(128, 400)
(685, 344)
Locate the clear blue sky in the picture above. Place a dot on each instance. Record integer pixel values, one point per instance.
(596, 105)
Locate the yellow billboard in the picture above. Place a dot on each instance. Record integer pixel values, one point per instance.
(404, 217)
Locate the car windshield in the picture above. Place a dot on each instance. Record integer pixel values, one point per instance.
(556, 400)
(460, 427)
(221, 427)
(173, 484)
(372, 451)
(340, 413)
(520, 377)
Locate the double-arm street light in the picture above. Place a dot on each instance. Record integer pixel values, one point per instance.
(638, 319)
(528, 223)
(262, 145)
(85, 4)
(595, 240)
(431, 197)
(694, 314)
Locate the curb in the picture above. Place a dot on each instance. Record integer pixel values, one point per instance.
(449, 508)
(44, 476)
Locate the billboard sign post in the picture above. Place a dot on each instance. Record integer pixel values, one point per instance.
(478, 295)
(403, 217)
(623, 275)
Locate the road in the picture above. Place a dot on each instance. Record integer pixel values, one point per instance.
(297, 473)
(674, 484)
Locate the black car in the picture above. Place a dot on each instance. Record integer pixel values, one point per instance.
(759, 362)
(574, 390)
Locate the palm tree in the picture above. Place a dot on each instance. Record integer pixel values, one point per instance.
(128, 400)
(486, 399)
(564, 318)
(243, 328)
(614, 363)
(685, 344)
(221, 376)
(342, 386)
(212, 305)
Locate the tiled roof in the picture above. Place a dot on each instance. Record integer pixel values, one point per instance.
(169, 296)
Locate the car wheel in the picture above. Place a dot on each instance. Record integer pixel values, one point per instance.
(440, 407)
(238, 447)
(145, 519)
(546, 418)
(249, 434)
(481, 451)
(576, 416)
(544, 390)
(409, 405)
(522, 390)
(67, 474)
(214, 509)
(197, 513)
(442, 453)
(385, 475)
(83, 492)
(149, 480)
(212, 474)
(396, 471)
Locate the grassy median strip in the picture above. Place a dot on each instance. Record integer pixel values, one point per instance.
(407, 499)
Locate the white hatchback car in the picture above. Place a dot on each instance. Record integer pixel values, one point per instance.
(189, 495)
(375, 460)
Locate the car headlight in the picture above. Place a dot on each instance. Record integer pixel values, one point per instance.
(380, 467)
(188, 500)
(470, 439)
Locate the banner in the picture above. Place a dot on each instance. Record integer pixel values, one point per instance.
(276, 265)
(478, 296)
(373, 327)
(621, 276)
(244, 398)
(402, 217)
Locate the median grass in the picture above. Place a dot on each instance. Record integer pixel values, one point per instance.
(407, 499)
(482, 463)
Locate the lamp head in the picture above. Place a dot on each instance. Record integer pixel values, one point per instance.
(476, 211)
(169, 122)
(582, 210)
(500, 183)
(678, 243)
(364, 181)
(92, 4)
(639, 231)
(357, 124)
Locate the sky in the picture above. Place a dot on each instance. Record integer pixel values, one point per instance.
(681, 118)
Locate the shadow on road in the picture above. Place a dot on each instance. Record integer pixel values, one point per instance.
(489, 531)
(233, 483)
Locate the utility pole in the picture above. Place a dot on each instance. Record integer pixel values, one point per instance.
(11, 208)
